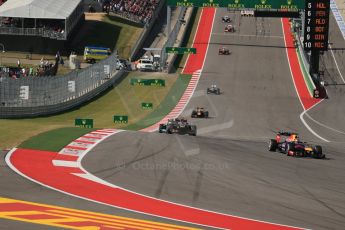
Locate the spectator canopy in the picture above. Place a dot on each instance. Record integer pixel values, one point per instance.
(42, 9)
(54, 19)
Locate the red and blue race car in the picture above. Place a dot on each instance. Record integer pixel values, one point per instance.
(290, 144)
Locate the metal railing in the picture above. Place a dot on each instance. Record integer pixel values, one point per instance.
(33, 32)
(36, 96)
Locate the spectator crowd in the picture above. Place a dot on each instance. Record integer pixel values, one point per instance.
(45, 68)
(139, 10)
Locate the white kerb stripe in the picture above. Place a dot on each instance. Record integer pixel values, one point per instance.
(70, 164)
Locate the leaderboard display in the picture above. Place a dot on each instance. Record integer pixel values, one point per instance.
(316, 25)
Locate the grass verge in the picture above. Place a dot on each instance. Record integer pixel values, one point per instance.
(124, 99)
(54, 140)
(166, 106)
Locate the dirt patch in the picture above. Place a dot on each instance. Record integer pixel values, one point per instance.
(94, 16)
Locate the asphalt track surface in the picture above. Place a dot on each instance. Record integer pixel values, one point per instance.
(227, 167)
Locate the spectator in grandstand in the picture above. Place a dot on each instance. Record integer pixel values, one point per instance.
(137, 10)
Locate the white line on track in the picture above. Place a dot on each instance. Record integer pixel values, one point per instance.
(294, 83)
(307, 126)
(325, 126)
(336, 64)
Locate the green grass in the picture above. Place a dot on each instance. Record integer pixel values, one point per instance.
(166, 106)
(54, 140)
(121, 100)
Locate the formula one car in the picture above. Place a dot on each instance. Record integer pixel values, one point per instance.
(226, 19)
(229, 28)
(224, 51)
(199, 112)
(290, 144)
(178, 126)
(213, 89)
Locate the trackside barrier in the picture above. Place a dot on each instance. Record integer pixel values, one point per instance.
(173, 38)
(38, 96)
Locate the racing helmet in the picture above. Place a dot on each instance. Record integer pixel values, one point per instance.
(294, 137)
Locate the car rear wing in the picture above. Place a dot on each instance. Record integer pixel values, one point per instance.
(282, 133)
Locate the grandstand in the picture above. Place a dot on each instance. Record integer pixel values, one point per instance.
(43, 18)
(140, 11)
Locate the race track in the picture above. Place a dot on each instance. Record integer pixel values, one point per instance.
(227, 168)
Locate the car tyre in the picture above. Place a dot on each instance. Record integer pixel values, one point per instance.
(290, 147)
(272, 145)
(192, 130)
(160, 128)
(317, 152)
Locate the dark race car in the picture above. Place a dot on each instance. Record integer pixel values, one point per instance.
(224, 51)
(213, 90)
(199, 112)
(229, 28)
(226, 19)
(178, 126)
(289, 143)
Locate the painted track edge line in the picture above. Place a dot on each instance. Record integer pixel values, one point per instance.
(306, 124)
(294, 83)
(323, 125)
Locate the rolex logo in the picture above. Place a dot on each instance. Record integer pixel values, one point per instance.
(289, 2)
(121, 118)
(211, 1)
(237, 1)
(263, 2)
(83, 122)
